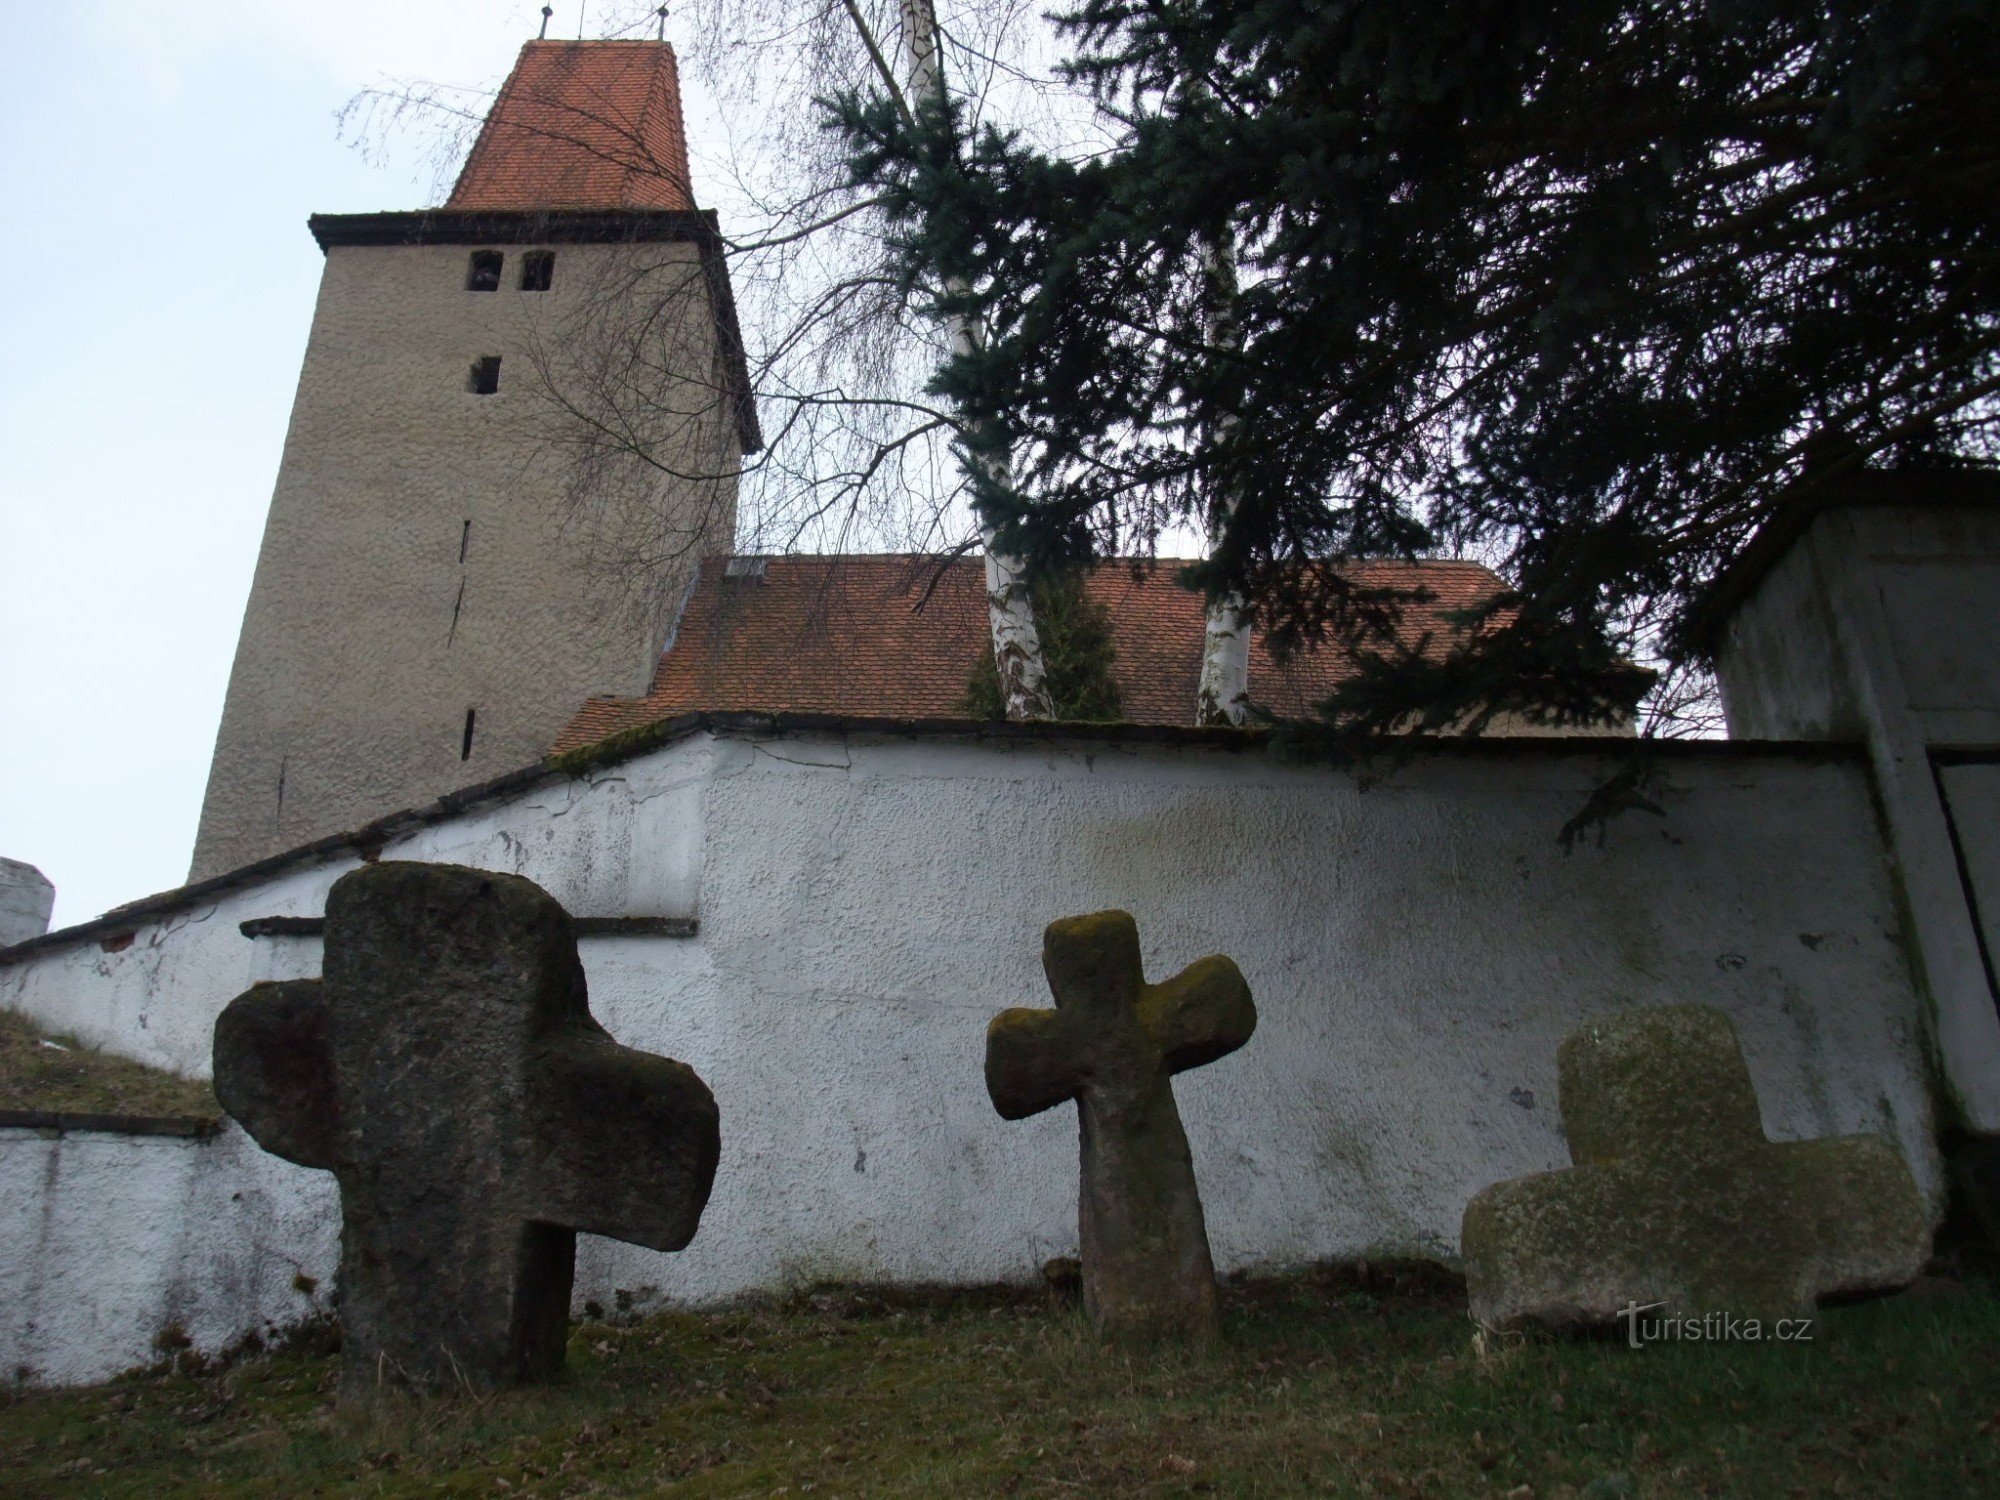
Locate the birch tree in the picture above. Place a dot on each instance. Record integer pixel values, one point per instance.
(858, 453)
(1222, 696)
(1017, 649)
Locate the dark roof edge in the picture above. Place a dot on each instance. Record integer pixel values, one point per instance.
(63, 1122)
(369, 840)
(626, 744)
(366, 841)
(729, 339)
(463, 226)
(1789, 521)
(514, 226)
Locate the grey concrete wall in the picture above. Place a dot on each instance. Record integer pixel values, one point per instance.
(1782, 671)
(26, 899)
(367, 636)
(1880, 625)
(1792, 665)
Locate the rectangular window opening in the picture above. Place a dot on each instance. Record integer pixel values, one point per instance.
(464, 540)
(484, 273)
(485, 375)
(538, 270)
(465, 745)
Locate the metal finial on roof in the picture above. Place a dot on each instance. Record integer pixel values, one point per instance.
(662, 13)
(547, 11)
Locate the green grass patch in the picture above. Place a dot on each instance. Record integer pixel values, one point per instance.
(1330, 1384)
(49, 1071)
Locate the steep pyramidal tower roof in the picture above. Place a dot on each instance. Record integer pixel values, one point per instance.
(582, 125)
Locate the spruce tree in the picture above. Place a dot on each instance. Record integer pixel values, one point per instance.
(1586, 289)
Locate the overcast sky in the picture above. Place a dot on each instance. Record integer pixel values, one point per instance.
(158, 281)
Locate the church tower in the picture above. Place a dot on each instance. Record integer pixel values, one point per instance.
(517, 430)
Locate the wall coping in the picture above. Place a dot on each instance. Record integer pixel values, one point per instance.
(61, 1122)
(118, 926)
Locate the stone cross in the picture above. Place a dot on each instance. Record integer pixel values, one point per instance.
(448, 1072)
(1113, 1044)
(1677, 1202)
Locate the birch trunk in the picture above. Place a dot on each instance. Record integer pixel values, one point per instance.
(1224, 694)
(1010, 612)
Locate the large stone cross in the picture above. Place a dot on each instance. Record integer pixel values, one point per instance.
(1113, 1044)
(1677, 1202)
(447, 1070)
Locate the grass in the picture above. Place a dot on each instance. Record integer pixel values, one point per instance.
(46, 1071)
(1338, 1383)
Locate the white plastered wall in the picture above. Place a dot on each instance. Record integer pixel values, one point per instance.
(1418, 947)
(107, 1241)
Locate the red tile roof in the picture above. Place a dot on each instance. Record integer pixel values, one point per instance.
(582, 125)
(897, 637)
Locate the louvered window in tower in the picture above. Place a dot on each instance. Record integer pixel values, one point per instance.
(483, 275)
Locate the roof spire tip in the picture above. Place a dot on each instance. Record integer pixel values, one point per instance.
(662, 14)
(547, 11)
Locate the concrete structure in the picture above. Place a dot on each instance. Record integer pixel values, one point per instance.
(455, 558)
(27, 896)
(1870, 614)
(867, 896)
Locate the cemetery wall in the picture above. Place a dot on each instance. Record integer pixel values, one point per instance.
(115, 1246)
(1417, 938)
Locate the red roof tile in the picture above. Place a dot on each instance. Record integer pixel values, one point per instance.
(582, 125)
(897, 637)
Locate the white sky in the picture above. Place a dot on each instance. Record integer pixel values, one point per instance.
(159, 163)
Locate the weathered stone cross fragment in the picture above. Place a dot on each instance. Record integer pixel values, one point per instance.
(447, 1070)
(1113, 1044)
(1677, 1201)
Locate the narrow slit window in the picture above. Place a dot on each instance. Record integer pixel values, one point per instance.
(483, 275)
(485, 375)
(465, 745)
(464, 540)
(538, 270)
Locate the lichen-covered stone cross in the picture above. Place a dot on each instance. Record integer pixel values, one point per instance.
(1113, 1044)
(448, 1072)
(1678, 1204)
